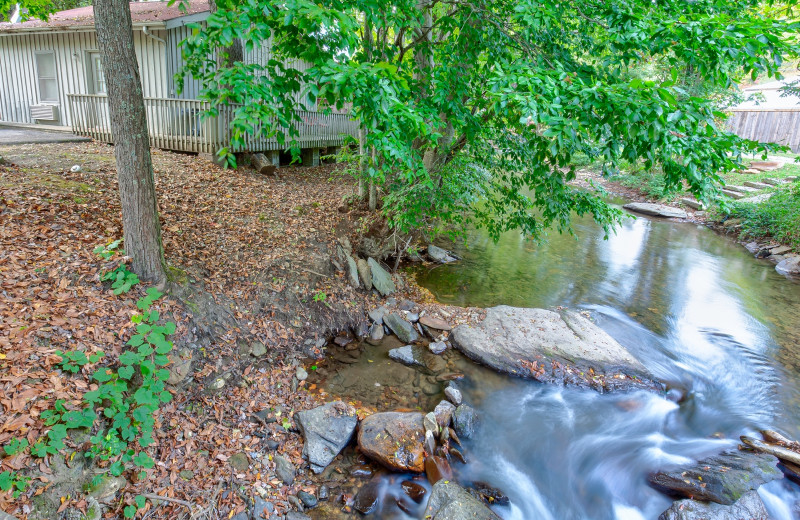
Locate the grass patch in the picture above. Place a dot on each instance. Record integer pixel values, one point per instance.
(778, 217)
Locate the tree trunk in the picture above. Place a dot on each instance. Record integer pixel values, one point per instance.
(141, 228)
(263, 165)
(362, 162)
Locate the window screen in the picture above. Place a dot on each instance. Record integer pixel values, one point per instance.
(46, 72)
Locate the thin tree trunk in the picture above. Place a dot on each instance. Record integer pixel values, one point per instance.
(140, 224)
(373, 191)
(362, 162)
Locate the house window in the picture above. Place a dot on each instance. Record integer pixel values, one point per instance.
(96, 74)
(46, 73)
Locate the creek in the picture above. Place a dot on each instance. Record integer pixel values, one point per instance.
(700, 312)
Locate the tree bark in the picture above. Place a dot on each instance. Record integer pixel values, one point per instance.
(140, 224)
(263, 165)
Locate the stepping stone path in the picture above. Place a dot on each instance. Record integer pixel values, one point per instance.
(742, 189)
(733, 194)
(757, 185)
(691, 203)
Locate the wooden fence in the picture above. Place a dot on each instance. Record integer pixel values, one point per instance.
(780, 126)
(175, 124)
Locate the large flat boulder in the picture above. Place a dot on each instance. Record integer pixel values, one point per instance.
(394, 439)
(449, 501)
(723, 478)
(381, 279)
(402, 328)
(789, 266)
(552, 347)
(655, 210)
(750, 506)
(327, 429)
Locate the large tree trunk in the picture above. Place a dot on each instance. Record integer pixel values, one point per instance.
(140, 224)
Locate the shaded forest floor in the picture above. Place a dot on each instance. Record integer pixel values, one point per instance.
(262, 246)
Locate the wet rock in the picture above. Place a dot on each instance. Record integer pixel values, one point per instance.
(376, 315)
(413, 317)
(365, 273)
(294, 515)
(552, 347)
(453, 394)
(435, 323)
(430, 442)
(450, 376)
(327, 429)
(295, 502)
(375, 334)
(241, 516)
(284, 469)
(430, 424)
(465, 420)
(453, 435)
(789, 266)
(456, 454)
(748, 507)
(449, 501)
(308, 500)
(367, 498)
(437, 468)
(352, 272)
(444, 412)
(437, 254)
(362, 329)
(414, 491)
(655, 210)
(381, 279)
(394, 439)
(410, 355)
(438, 347)
(723, 478)
(489, 494)
(401, 328)
(301, 374)
(239, 461)
(342, 340)
(361, 471)
(324, 492)
(107, 487)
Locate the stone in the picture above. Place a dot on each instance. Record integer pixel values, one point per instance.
(692, 203)
(752, 247)
(107, 487)
(453, 394)
(308, 500)
(437, 347)
(375, 334)
(410, 355)
(444, 412)
(262, 509)
(655, 210)
(180, 366)
(414, 491)
(430, 424)
(757, 199)
(324, 492)
(362, 329)
(367, 497)
(789, 266)
(401, 328)
(723, 478)
(406, 305)
(780, 250)
(437, 468)
(766, 166)
(465, 419)
(361, 471)
(757, 185)
(741, 189)
(430, 442)
(748, 507)
(394, 439)
(257, 349)
(489, 494)
(342, 340)
(364, 273)
(186, 474)
(284, 469)
(301, 374)
(449, 501)
(773, 182)
(381, 279)
(376, 315)
(326, 429)
(294, 515)
(732, 223)
(352, 272)
(239, 461)
(412, 317)
(435, 323)
(437, 254)
(241, 516)
(552, 347)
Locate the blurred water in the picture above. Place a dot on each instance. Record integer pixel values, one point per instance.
(702, 314)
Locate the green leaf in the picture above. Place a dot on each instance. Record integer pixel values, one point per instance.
(140, 500)
(125, 372)
(129, 511)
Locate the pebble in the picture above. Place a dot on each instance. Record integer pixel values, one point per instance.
(309, 500)
(453, 394)
(301, 374)
(324, 492)
(437, 347)
(413, 490)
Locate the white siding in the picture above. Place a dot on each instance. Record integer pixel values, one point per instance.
(18, 69)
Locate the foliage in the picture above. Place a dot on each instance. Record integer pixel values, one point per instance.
(120, 411)
(474, 110)
(107, 251)
(14, 482)
(121, 278)
(778, 217)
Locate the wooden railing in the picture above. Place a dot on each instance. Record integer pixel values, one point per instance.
(176, 124)
(766, 125)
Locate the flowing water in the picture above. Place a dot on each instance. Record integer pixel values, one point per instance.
(699, 311)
